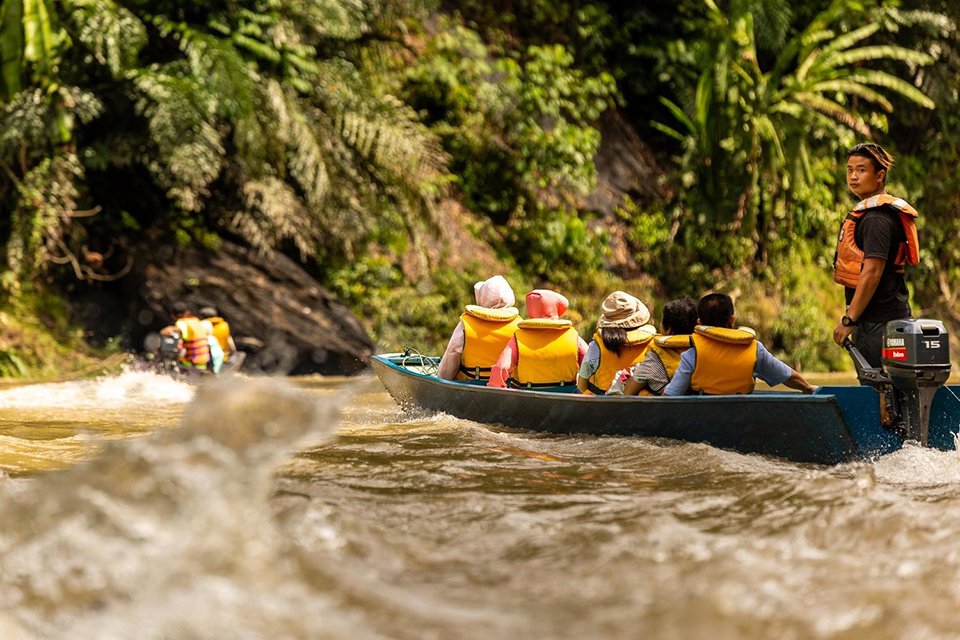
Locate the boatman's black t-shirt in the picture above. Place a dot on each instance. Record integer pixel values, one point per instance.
(879, 234)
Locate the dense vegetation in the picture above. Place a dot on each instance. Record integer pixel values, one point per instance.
(342, 132)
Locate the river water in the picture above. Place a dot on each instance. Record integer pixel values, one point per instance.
(139, 507)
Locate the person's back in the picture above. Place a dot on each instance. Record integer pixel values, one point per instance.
(654, 372)
(621, 340)
(726, 361)
(547, 354)
(544, 351)
(485, 334)
(482, 333)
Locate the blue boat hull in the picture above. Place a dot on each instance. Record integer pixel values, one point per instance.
(836, 424)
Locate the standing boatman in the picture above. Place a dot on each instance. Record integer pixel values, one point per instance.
(876, 240)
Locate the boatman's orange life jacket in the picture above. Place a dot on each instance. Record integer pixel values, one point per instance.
(848, 260)
(547, 354)
(486, 333)
(194, 337)
(632, 352)
(726, 359)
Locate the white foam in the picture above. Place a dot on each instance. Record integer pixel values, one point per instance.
(116, 392)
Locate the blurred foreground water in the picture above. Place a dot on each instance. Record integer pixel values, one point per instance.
(126, 512)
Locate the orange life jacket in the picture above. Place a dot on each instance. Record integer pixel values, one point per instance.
(726, 359)
(485, 334)
(632, 352)
(194, 337)
(221, 331)
(848, 259)
(547, 354)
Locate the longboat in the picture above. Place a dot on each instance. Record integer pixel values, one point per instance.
(833, 425)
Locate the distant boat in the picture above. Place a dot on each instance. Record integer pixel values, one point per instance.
(834, 425)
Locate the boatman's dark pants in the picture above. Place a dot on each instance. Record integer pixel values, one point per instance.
(868, 339)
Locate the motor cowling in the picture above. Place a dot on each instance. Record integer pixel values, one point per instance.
(915, 363)
(916, 359)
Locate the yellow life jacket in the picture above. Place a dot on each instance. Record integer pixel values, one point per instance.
(848, 258)
(547, 354)
(485, 334)
(669, 349)
(632, 352)
(221, 331)
(194, 337)
(726, 359)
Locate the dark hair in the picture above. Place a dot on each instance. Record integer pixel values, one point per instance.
(715, 309)
(178, 308)
(680, 316)
(878, 156)
(614, 338)
(208, 311)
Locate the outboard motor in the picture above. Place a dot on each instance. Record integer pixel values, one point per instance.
(165, 348)
(915, 364)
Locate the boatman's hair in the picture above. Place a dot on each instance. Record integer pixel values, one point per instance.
(178, 308)
(680, 316)
(878, 156)
(715, 309)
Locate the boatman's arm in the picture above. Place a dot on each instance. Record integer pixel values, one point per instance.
(504, 365)
(680, 384)
(866, 287)
(773, 371)
(450, 363)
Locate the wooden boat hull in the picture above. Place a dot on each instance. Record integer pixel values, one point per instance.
(834, 425)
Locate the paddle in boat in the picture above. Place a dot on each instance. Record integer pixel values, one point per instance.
(905, 400)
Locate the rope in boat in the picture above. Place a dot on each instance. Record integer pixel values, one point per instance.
(428, 366)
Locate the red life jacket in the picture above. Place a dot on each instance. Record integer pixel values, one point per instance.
(848, 260)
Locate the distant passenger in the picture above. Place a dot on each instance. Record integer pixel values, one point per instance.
(195, 349)
(724, 360)
(545, 351)
(622, 340)
(484, 330)
(652, 375)
(219, 329)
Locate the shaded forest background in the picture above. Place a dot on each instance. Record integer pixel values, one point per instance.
(403, 149)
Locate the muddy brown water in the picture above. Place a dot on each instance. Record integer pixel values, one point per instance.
(127, 512)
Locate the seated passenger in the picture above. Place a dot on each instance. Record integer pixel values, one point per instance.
(545, 351)
(482, 333)
(724, 360)
(622, 339)
(652, 375)
(220, 330)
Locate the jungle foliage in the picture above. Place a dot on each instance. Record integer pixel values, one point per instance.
(332, 130)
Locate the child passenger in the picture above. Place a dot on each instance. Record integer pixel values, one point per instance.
(650, 376)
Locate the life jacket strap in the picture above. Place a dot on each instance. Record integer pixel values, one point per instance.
(474, 372)
(513, 384)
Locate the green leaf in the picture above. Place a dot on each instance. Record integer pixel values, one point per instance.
(880, 52)
(853, 88)
(892, 82)
(11, 47)
(679, 115)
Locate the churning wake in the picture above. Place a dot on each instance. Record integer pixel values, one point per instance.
(170, 536)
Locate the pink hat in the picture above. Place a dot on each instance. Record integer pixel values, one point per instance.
(543, 303)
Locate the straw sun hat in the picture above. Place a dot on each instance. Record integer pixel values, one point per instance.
(623, 310)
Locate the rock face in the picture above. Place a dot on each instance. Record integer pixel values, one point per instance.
(285, 321)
